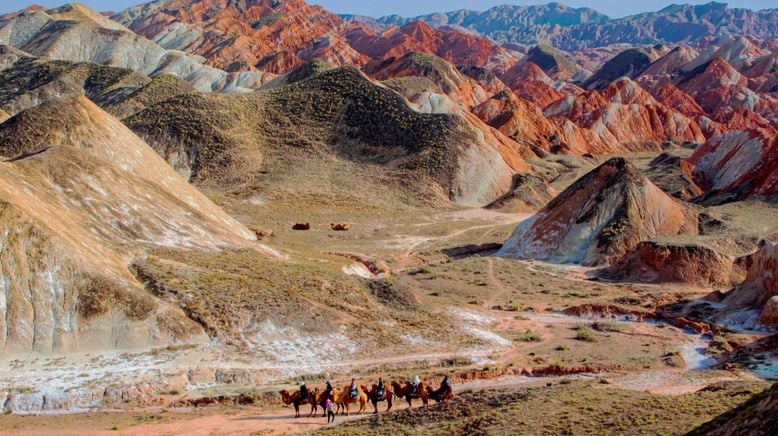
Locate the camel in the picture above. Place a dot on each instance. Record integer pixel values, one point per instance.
(344, 400)
(322, 401)
(405, 392)
(372, 396)
(439, 395)
(294, 399)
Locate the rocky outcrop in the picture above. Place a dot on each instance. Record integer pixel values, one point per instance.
(528, 193)
(77, 34)
(600, 218)
(655, 262)
(736, 165)
(519, 120)
(80, 197)
(622, 117)
(769, 315)
(758, 289)
(674, 175)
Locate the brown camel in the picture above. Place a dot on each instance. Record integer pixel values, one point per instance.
(345, 400)
(295, 400)
(322, 400)
(372, 395)
(441, 394)
(406, 391)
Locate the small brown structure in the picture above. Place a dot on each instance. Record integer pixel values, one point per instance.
(340, 227)
(299, 226)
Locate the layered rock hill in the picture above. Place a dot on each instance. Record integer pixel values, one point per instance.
(629, 63)
(574, 29)
(554, 63)
(655, 262)
(277, 36)
(452, 45)
(600, 218)
(77, 34)
(521, 121)
(80, 198)
(338, 114)
(447, 78)
(621, 117)
(736, 165)
(720, 89)
(29, 81)
(531, 83)
(272, 35)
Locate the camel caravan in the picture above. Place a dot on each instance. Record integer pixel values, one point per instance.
(354, 394)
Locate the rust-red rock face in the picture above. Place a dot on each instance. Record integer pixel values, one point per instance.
(624, 117)
(718, 87)
(518, 119)
(600, 218)
(738, 164)
(769, 316)
(653, 262)
(461, 89)
(530, 82)
(456, 47)
(274, 36)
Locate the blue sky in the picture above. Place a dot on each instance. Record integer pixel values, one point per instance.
(614, 8)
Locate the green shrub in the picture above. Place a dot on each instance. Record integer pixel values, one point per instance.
(584, 333)
(530, 336)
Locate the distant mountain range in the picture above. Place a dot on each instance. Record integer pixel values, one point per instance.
(583, 28)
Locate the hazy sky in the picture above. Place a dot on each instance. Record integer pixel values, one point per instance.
(614, 8)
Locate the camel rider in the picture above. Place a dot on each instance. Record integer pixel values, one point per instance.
(353, 388)
(445, 386)
(303, 392)
(381, 390)
(415, 383)
(327, 395)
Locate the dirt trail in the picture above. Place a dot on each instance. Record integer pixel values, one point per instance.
(502, 290)
(409, 243)
(277, 420)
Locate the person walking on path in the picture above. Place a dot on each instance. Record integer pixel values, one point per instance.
(330, 412)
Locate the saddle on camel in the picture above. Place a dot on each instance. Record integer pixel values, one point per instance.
(444, 393)
(376, 395)
(347, 397)
(409, 392)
